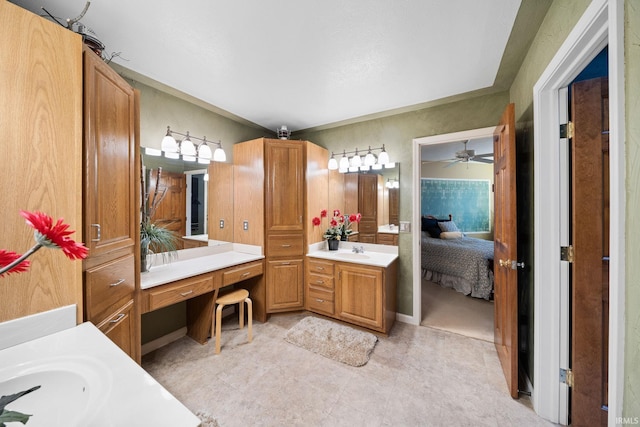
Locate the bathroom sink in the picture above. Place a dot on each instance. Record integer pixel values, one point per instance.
(71, 390)
(353, 255)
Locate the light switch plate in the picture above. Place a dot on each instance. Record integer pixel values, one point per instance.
(222, 223)
(405, 227)
(245, 225)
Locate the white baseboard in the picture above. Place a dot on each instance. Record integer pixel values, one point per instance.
(406, 319)
(163, 340)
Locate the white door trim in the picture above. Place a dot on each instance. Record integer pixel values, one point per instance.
(416, 235)
(601, 24)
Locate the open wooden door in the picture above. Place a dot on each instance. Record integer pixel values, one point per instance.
(590, 241)
(505, 249)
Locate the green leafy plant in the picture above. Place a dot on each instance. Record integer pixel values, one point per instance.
(8, 416)
(154, 238)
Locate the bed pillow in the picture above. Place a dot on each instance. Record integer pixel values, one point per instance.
(430, 225)
(448, 226)
(450, 235)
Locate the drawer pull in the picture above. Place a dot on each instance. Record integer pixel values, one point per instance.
(320, 282)
(286, 246)
(285, 263)
(118, 318)
(99, 236)
(119, 282)
(184, 294)
(319, 300)
(246, 274)
(319, 268)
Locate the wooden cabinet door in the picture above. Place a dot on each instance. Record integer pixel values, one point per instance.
(359, 295)
(368, 207)
(110, 186)
(120, 328)
(285, 279)
(284, 175)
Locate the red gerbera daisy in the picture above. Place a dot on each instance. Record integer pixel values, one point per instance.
(323, 213)
(7, 257)
(315, 220)
(54, 235)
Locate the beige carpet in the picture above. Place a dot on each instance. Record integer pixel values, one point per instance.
(332, 340)
(449, 310)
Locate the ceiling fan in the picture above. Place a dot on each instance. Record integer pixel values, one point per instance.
(464, 156)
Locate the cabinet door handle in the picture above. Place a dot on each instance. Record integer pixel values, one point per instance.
(246, 274)
(119, 282)
(286, 246)
(184, 294)
(118, 318)
(97, 239)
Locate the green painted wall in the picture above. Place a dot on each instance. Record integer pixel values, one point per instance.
(397, 133)
(631, 402)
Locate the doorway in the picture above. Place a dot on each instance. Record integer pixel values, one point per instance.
(456, 179)
(196, 202)
(601, 24)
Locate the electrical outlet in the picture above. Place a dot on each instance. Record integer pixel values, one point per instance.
(222, 223)
(245, 225)
(405, 227)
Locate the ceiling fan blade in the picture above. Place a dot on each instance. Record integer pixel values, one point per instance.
(481, 160)
(484, 155)
(453, 163)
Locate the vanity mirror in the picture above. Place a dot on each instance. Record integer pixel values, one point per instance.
(184, 208)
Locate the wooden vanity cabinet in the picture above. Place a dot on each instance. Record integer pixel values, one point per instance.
(111, 202)
(269, 211)
(388, 239)
(359, 294)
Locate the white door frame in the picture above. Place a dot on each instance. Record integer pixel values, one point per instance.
(416, 235)
(601, 24)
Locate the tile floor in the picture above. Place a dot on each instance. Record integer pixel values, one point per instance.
(417, 376)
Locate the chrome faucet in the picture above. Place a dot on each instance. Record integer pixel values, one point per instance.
(358, 250)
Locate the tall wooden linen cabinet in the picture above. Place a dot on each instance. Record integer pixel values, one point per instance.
(111, 201)
(270, 185)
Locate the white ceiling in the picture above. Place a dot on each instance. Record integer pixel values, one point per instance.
(303, 63)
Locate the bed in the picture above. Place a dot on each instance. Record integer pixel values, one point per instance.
(462, 263)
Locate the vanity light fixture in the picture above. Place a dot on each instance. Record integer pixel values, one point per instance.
(189, 151)
(356, 162)
(333, 163)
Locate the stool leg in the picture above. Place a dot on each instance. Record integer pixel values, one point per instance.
(241, 310)
(249, 317)
(218, 326)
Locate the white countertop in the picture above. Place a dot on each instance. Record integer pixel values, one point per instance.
(191, 262)
(375, 255)
(389, 228)
(86, 381)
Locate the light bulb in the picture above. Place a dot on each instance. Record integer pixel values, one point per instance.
(219, 155)
(344, 162)
(333, 163)
(383, 157)
(169, 144)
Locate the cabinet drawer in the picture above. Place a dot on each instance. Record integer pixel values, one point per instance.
(321, 281)
(320, 301)
(109, 286)
(284, 245)
(242, 272)
(386, 239)
(320, 267)
(179, 291)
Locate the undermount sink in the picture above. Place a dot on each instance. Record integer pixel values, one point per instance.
(71, 390)
(353, 255)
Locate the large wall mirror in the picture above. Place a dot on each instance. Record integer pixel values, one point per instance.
(184, 207)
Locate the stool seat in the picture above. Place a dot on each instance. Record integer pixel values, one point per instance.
(238, 296)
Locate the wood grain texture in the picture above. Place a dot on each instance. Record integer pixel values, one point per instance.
(221, 201)
(41, 122)
(317, 189)
(284, 186)
(248, 192)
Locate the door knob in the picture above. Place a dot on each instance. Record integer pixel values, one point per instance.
(514, 265)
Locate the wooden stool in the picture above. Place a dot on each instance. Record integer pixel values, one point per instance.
(239, 296)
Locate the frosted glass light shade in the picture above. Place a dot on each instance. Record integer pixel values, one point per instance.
(219, 155)
(187, 148)
(383, 157)
(344, 163)
(204, 151)
(169, 144)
